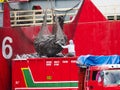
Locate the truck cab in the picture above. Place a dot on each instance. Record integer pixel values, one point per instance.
(103, 77)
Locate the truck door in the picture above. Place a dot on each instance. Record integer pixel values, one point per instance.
(81, 78)
(94, 82)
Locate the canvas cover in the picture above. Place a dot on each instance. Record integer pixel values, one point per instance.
(92, 60)
(45, 43)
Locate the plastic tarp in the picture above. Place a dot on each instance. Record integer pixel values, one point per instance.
(93, 60)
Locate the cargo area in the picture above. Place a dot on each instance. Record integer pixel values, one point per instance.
(45, 74)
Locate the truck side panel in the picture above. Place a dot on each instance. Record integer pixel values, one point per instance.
(45, 73)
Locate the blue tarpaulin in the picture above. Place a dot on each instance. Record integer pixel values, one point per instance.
(93, 60)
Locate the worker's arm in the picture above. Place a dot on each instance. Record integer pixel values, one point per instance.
(66, 46)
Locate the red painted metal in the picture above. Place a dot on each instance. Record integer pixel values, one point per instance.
(6, 17)
(91, 32)
(5, 74)
(93, 84)
(94, 34)
(58, 69)
(101, 38)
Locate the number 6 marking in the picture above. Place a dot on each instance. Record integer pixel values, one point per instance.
(7, 54)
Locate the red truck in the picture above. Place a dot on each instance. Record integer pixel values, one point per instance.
(98, 78)
(45, 74)
(99, 72)
(64, 74)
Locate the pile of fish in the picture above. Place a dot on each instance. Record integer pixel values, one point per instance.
(26, 56)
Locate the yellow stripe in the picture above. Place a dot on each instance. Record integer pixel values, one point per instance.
(24, 75)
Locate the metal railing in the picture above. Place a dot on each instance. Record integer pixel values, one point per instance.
(110, 11)
(35, 17)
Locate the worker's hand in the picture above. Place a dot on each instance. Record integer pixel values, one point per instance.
(58, 42)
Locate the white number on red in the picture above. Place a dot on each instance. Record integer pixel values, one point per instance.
(6, 48)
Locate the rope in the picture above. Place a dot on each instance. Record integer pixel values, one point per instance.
(66, 11)
(70, 8)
